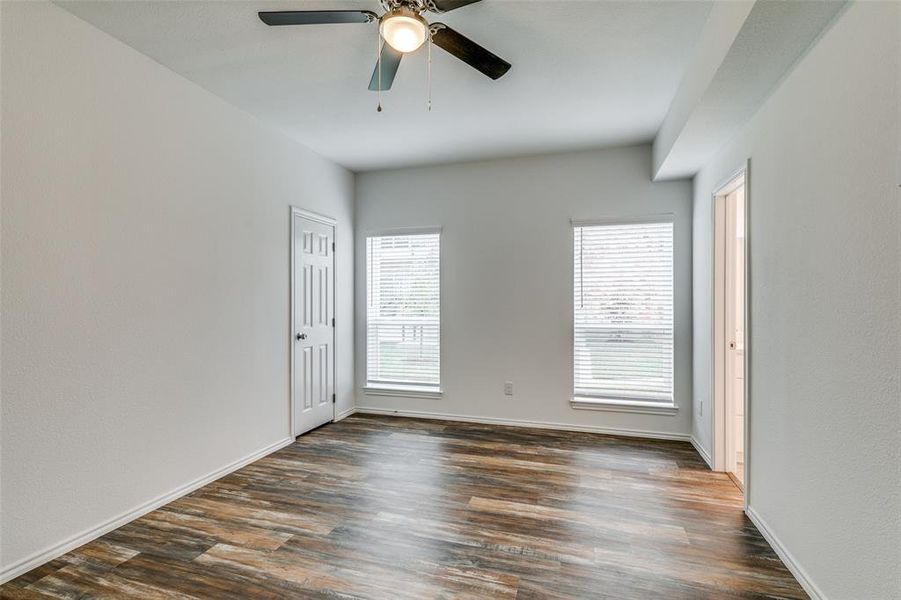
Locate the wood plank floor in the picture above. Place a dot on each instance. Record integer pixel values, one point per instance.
(379, 507)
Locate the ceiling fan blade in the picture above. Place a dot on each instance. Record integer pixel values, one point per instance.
(316, 17)
(442, 6)
(390, 63)
(468, 51)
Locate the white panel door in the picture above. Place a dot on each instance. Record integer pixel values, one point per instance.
(314, 332)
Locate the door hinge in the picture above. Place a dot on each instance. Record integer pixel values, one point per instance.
(333, 321)
(333, 398)
(333, 246)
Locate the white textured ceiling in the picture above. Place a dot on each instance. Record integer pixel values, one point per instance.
(585, 74)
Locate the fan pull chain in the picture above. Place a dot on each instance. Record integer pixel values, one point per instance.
(430, 70)
(378, 49)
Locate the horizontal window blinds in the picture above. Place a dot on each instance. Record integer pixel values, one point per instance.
(403, 310)
(623, 330)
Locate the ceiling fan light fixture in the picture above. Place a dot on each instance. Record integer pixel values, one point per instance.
(404, 30)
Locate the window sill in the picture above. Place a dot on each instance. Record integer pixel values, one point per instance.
(629, 406)
(406, 391)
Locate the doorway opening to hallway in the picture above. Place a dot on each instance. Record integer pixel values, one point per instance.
(731, 330)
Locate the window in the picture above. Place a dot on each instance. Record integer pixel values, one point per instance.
(403, 312)
(623, 325)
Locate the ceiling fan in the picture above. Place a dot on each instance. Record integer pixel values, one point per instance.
(404, 30)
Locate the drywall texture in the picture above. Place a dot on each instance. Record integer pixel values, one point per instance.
(145, 294)
(506, 277)
(724, 22)
(773, 36)
(825, 311)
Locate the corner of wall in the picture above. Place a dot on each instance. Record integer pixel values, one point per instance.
(787, 557)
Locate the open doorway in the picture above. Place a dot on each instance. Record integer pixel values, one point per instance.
(730, 334)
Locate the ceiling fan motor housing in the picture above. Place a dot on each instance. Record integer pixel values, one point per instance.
(416, 6)
(404, 11)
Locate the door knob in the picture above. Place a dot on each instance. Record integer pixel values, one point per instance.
(301, 336)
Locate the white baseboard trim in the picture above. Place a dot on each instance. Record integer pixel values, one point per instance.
(702, 451)
(344, 414)
(654, 435)
(55, 551)
(787, 558)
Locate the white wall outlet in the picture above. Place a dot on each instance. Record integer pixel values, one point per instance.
(508, 388)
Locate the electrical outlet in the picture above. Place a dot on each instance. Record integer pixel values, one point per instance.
(508, 388)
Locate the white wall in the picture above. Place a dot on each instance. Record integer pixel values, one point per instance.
(506, 252)
(145, 279)
(724, 23)
(825, 310)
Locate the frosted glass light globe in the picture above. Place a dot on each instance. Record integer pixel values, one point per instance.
(403, 33)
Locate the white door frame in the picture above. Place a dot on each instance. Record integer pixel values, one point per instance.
(718, 341)
(325, 220)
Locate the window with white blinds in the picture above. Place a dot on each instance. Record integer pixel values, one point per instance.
(403, 311)
(623, 326)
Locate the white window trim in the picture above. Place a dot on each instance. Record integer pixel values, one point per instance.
(620, 404)
(638, 220)
(398, 389)
(404, 391)
(628, 406)
(402, 231)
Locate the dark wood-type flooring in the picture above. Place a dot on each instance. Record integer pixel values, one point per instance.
(379, 507)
